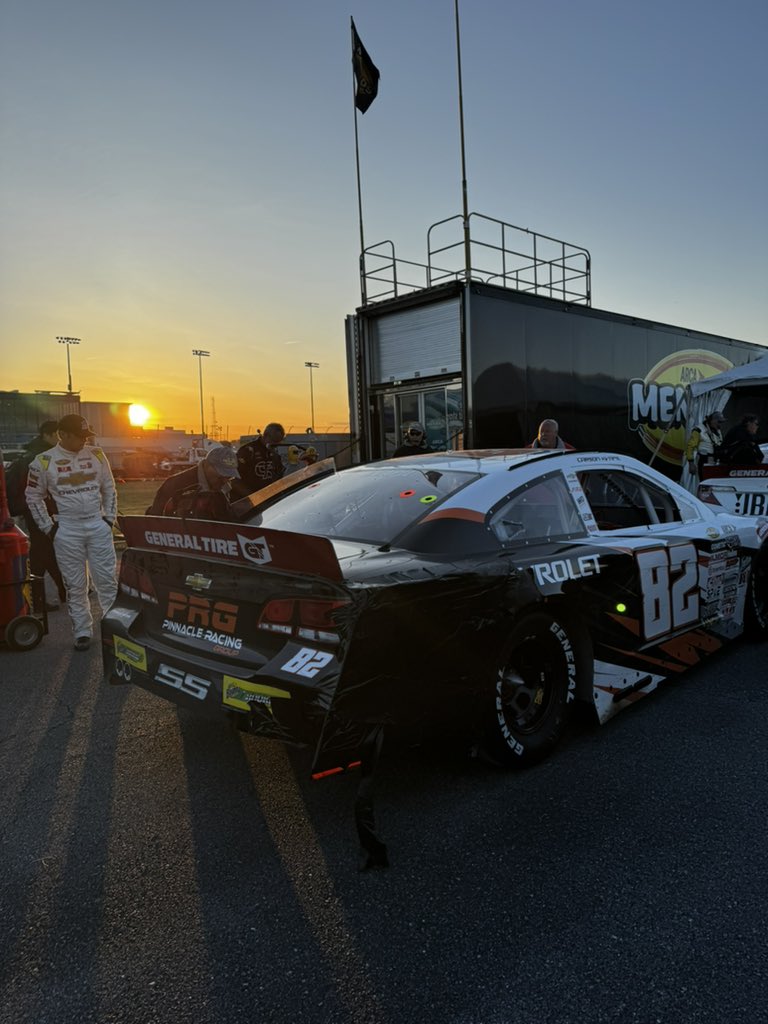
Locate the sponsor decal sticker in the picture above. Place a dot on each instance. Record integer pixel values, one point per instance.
(657, 401)
(241, 694)
(562, 569)
(255, 549)
(130, 653)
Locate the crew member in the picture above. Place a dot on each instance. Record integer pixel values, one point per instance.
(705, 442)
(78, 478)
(258, 461)
(200, 492)
(414, 442)
(741, 447)
(42, 557)
(548, 436)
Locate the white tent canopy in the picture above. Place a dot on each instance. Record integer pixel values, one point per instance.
(705, 396)
(750, 375)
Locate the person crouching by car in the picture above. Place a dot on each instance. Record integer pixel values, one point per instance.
(415, 442)
(200, 492)
(705, 442)
(78, 478)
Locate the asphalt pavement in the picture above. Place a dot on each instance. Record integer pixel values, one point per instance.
(157, 868)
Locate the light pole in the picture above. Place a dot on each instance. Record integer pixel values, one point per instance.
(68, 341)
(311, 367)
(200, 352)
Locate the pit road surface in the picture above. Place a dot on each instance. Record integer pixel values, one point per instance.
(155, 868)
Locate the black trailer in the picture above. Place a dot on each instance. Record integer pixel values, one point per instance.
(482, 351)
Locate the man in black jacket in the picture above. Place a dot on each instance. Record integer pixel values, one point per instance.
(258, 462)
(415, 442)
(200, 492)
(42, 557)
(740, 447)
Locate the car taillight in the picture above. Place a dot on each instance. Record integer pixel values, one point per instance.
(305, 618)
(136, 582)
(708, 496)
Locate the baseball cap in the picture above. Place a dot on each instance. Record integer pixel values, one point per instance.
(223, 461)
(717, 415)
(73, 424)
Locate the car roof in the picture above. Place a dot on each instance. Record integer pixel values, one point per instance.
(496, 460)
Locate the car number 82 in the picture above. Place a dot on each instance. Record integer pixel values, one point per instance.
(669, 583)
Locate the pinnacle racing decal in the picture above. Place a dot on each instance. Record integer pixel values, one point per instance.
(241, 694)
(255, 549)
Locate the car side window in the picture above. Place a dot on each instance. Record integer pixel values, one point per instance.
(542, 510)
(619, 500)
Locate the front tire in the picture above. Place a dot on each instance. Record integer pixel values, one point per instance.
(534, 692)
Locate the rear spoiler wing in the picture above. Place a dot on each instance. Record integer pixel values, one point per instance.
(236, 543)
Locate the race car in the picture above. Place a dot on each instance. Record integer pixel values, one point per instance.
(742, 490)
(493, 590)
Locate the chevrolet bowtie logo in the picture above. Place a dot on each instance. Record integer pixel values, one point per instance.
(198, 582)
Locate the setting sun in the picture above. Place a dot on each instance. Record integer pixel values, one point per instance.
(138, 415)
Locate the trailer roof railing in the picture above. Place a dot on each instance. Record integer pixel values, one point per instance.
(497, 253)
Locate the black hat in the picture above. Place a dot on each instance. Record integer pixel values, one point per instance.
(74, 425)
(48, 427)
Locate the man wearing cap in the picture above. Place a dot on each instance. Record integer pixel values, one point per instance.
(75, 479)
(414, 443)
(705, 442)
(200, 492)
(259, 462)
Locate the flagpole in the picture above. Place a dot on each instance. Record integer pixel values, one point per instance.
(465, 201)
(359, 189)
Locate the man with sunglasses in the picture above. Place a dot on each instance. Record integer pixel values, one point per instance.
(415, 442)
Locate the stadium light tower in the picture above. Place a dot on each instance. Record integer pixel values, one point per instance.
(199, 352)
(68, 341)
(311, 367)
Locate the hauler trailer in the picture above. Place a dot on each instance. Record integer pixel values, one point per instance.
(496, 331)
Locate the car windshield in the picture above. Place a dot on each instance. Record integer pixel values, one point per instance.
(369, 503)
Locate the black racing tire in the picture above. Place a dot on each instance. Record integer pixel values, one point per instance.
(534, 692)
(756, 610)
(23, 633)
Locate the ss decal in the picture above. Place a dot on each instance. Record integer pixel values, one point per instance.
(669, 581)
(193, 686)
(307, 662)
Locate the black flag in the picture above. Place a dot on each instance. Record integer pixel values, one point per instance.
(366, 74)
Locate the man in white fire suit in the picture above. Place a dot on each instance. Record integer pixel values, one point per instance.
(78, 479)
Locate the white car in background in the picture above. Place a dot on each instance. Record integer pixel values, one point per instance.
(740, 490)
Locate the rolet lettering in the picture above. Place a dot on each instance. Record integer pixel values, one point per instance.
(563, 569)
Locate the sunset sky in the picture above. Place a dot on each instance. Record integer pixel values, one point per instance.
(182, 175)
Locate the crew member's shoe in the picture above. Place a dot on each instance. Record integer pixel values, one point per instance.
(82, 643)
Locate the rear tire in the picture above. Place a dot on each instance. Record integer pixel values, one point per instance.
(23, 633)
(534, 692)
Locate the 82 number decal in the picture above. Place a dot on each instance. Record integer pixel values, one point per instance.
(669, 582)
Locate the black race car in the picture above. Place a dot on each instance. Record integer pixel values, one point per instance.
(494, 589)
